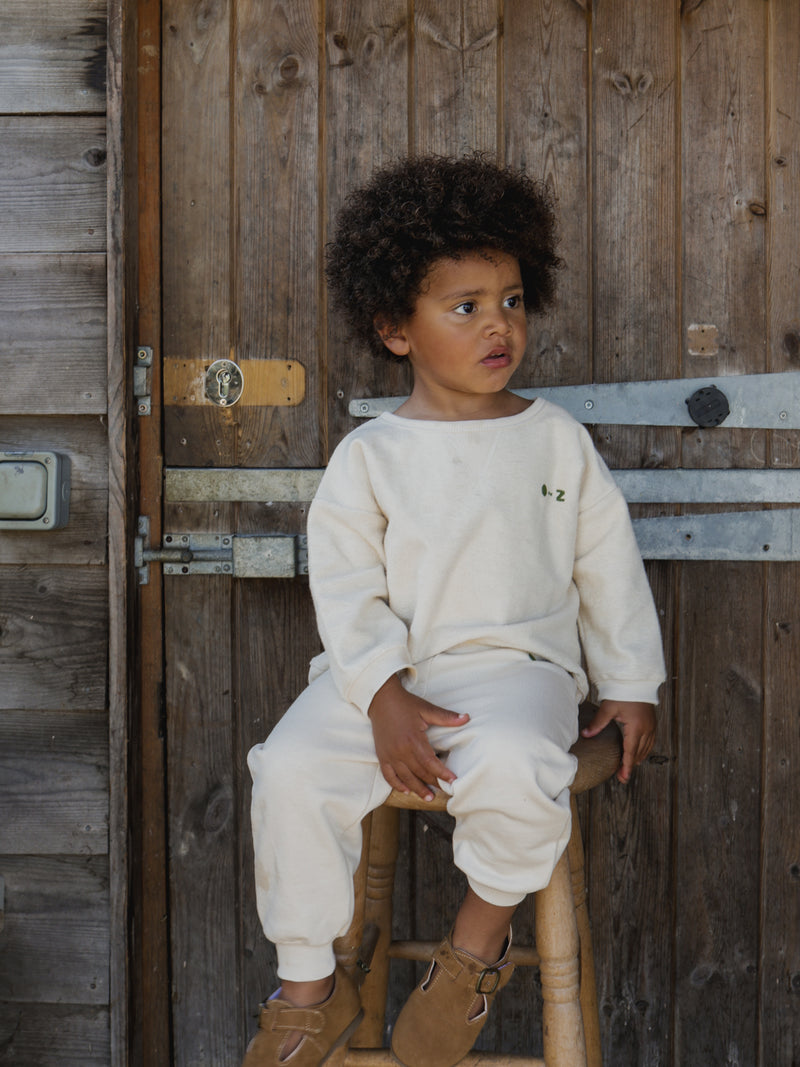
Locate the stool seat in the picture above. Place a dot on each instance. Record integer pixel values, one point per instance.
(563, 950)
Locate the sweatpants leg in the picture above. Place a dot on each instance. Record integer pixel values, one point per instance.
(314, 779)
(510, 799)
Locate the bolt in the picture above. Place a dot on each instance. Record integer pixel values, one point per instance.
(784, 415)
(363, 408)
(227, 568)
(141, 354)
(143, 409)
(589, 404)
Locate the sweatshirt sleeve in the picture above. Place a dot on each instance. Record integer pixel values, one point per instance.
(365, 641)
(617, 619)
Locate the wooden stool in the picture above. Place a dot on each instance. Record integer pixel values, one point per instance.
(563, 951)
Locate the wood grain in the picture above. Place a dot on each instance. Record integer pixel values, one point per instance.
(54, 769)
(53, 637)
(202, 814)
(367, 124)
(55, 1035)
(277, 312)
(56, 933)
(456, 47)
(779, 965)
(53, 184)
(635, 243)
(197, 216)
(53, 62)
(545, 70)
(53, 328)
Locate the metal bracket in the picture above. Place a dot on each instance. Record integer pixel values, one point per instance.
(258, 556)
(142, 371)
(757, 401)
(768, 536)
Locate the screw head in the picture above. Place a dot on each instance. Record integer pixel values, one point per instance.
(589, 404)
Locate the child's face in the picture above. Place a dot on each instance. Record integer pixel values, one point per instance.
(467, 334)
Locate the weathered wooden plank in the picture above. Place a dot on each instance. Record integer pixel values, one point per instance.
(121, 212)
(203, 850)
(783, 197)
(196, 210)
(720, 699)
(56, 932)
(53, 637)
(53, 184)
(278, 637)
(54, 770)
(84, 441)
(149, 958)
(634, 336)
(779, 1029)
(366, 121)
(52, 334)
(545, 71)
(719, 753)
(456, 46)
(55, 1035)
(278, 190)
(82, 541)
(53, 56)
(780, 863)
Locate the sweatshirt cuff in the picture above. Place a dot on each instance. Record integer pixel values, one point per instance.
(645, 692)
(364, 688)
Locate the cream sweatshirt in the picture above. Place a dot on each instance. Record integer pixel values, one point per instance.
(427, 537)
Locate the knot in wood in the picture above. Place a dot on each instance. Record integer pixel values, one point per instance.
(289, 68)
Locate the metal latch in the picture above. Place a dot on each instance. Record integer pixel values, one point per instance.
(257, 556)
(142, 369)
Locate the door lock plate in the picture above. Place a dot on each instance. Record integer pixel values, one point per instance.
(224, 382)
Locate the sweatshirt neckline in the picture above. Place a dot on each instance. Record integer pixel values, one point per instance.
(464, 425)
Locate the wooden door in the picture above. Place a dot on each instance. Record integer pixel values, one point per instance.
(661, 129)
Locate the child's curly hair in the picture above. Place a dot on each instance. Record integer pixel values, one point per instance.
(413, 212)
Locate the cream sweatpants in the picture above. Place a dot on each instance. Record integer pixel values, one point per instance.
(316, 777)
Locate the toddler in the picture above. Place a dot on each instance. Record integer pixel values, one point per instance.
(470, 556)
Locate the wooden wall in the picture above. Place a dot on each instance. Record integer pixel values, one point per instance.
(669, 132)
(59, 310)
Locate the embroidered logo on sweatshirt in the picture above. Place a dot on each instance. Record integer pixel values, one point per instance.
(557, 494)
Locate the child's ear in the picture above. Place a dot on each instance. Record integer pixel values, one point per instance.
(392, 336)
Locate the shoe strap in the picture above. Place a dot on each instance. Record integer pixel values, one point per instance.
(276, 1015)
(488, 979)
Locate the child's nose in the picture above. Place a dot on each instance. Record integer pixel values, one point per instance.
(499, 321)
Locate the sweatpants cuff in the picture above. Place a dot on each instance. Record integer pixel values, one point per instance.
(305, 963)
(496, 896)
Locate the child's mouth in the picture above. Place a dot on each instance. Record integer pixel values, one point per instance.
(501, 358)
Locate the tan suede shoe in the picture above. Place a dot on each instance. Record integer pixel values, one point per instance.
(325, 1028)
(434, 1028)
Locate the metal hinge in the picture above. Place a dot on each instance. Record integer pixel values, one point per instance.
(142, 369)
(257, 556)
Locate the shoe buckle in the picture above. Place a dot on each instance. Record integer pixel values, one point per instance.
(486, 976)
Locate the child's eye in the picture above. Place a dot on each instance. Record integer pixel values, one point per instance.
(513, 301)
(466, 308)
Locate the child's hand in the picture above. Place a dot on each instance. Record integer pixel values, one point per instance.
(638, 724)
(399, 723)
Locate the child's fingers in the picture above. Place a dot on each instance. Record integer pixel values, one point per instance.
(405, 781)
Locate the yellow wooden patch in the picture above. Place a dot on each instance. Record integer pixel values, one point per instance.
(265, 382)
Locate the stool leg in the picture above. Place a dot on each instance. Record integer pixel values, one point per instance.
(558, 945)
(378, 914)
(591, 1016)
(348, 947)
